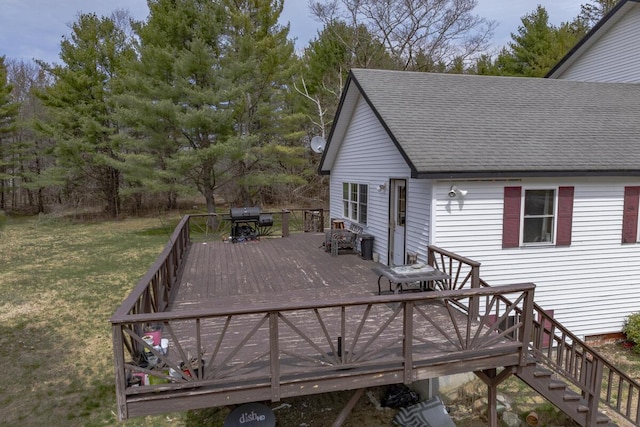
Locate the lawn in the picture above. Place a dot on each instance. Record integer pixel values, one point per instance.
(59, 284)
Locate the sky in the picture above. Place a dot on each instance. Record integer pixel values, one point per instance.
(33, 29)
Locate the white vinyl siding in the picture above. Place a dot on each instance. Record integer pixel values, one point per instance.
(591, 285)
(614, 57)
(418, 216)
(367, 156)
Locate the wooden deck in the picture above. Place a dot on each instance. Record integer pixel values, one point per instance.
(281, 317)
(295, 268)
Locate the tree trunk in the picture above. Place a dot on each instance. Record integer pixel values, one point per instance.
(2, 201)
(172, 200)
(212, 222)
(210, 199)
(111, 189)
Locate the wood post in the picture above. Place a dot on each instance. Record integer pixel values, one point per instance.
(408, 342)
(347, 409)
(285, 222)
(121, 381)
(492, 379)
(274, 356)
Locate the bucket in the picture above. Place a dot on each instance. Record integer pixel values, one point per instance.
(148, 339)
(155, 332)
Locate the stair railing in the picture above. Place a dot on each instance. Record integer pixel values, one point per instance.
(555, 347)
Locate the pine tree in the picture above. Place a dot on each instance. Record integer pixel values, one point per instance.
(8, 115)
(81, 107)
(261, 63)
(537, 46)
(176, 101)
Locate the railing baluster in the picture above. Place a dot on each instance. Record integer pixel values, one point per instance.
(629, 399)
(620, 385)
(636, 417)
(354, 340)
(199, 349)
(343, 332)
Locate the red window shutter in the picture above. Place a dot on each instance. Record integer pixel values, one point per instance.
(630, 215)
(511, 217)
(565, 216)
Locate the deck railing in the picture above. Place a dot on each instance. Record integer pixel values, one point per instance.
(285, 222)
(312, 344)
(596, 378)
(155, 290)
(592, 375)
(551, 344)
(464, 273)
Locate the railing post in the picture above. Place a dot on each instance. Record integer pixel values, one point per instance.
(594, 387)
(474, 304)
(121, 381)
(527, 326)
(430, 256)
(408, 342)
(274, 356)
(285, 222)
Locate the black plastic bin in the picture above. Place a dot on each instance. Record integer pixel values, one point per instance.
(366, 246)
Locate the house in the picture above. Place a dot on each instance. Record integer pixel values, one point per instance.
(609, 52)
(537, 179)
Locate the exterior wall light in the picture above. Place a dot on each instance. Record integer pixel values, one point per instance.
(455, 192)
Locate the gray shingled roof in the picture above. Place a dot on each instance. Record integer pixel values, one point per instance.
(449, 125)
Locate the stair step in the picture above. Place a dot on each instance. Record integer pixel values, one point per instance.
(571, 396)
(557, 385)
(583, 408)
(540, 373)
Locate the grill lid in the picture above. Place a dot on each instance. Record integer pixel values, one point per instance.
(251, 212)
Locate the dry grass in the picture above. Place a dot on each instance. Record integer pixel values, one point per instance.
(59, 284)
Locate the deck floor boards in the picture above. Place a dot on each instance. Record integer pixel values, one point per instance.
(292, 269)
(265, 270)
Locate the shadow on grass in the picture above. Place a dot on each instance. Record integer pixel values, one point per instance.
(206, 417)
(42, 384)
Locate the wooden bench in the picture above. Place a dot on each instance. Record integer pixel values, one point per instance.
(342, 239)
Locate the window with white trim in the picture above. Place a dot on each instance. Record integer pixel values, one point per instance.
(538, 216)
(354, 201)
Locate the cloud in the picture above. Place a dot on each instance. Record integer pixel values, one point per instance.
(34, 28)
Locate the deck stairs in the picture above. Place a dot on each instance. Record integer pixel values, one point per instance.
(556, 363)
(576, 378)
(549, 385)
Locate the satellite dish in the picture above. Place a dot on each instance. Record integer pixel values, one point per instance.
(317, 144)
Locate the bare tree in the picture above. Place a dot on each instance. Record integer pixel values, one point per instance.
(593, 11)
(444, 31)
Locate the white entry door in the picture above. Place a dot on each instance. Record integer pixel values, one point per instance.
(397, 221)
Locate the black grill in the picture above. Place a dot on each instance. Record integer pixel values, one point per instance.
(265, 220)
(246, 223)
(246, 214)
